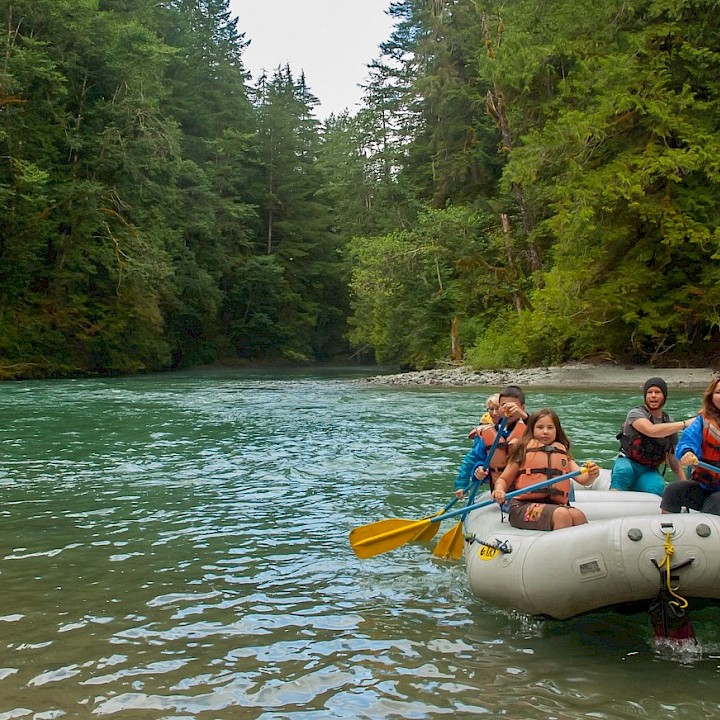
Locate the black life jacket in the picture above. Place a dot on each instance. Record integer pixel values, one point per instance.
(642, 449)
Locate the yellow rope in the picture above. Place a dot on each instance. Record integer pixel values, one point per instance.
(679, 601)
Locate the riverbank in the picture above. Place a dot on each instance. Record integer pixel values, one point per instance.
(571, 375)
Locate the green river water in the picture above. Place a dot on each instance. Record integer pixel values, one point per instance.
(176, 546)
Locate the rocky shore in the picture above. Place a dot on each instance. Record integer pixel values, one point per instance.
(572, 375)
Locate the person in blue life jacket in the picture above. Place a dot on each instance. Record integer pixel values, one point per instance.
(511, 402)
(701, 441)
(647, 440)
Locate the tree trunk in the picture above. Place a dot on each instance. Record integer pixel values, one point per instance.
(496, 107)
(455, 349)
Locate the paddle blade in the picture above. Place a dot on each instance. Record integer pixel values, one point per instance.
(428, 533)
(385, 535)
(371, 530)
(450, 545)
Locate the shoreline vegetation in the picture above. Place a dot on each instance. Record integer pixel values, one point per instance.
(489, 202)
(570, 375)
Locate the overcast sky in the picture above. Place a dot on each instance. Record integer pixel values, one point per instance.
(331, 40)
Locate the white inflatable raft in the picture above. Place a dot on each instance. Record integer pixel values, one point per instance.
(621, 556)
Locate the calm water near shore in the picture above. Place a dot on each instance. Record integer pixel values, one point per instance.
(176, 546)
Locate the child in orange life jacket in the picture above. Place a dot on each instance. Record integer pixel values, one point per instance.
(511, 402)
(701, 441)
(542, 452)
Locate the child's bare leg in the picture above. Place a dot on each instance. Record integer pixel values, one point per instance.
(567, 517)
(561, 518)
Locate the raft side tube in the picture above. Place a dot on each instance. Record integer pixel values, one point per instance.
(605, 563)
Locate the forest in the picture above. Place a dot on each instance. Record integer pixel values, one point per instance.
(525, 183)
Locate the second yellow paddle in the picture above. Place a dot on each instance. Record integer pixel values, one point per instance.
(450, 545)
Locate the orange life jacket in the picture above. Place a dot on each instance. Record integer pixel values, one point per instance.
(498, 461)
(710, 454)
(541, 463)
(485, 421)
(478, 430)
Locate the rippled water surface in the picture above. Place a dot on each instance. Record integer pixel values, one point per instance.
(176, 546)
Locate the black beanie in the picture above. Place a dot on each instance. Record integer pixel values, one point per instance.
(657, 382)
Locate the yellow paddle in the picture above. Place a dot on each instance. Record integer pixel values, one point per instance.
(385, 535)
(380, 537)
(426, 530)
(450, 545)
(428, 533)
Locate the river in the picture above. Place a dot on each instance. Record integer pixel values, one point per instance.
(176, 546)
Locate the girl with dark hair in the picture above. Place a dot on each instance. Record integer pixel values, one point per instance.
(542, 452)
(701, 441)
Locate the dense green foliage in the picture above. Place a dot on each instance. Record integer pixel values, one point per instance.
(582, 138)
(137, 187)
(528, 183)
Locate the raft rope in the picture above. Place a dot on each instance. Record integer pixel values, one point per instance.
(665, 568)
(502, 545)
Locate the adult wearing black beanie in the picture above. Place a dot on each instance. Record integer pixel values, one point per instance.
(647, 440)
(657, 382)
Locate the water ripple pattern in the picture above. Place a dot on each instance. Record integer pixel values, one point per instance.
(176, 546)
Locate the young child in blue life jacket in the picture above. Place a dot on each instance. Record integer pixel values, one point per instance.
(511, 404)
(647, 440)
(701, 441)
(541, 453)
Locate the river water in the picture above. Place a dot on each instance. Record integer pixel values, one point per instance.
(176, 546)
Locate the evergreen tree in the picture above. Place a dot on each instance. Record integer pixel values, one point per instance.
(214, 202)
(536, 182)
(305, 320)
(621, 159)
(82, 279)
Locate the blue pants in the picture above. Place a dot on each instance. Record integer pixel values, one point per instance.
(628, 475)
(690, 494)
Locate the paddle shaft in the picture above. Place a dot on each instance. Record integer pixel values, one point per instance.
(509, 496)
(485, 465)
(407, 532)
(491, 451)
(448, 506)
(708, 466)
(474, 482)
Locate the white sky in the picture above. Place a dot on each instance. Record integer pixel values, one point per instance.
(331, 40)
